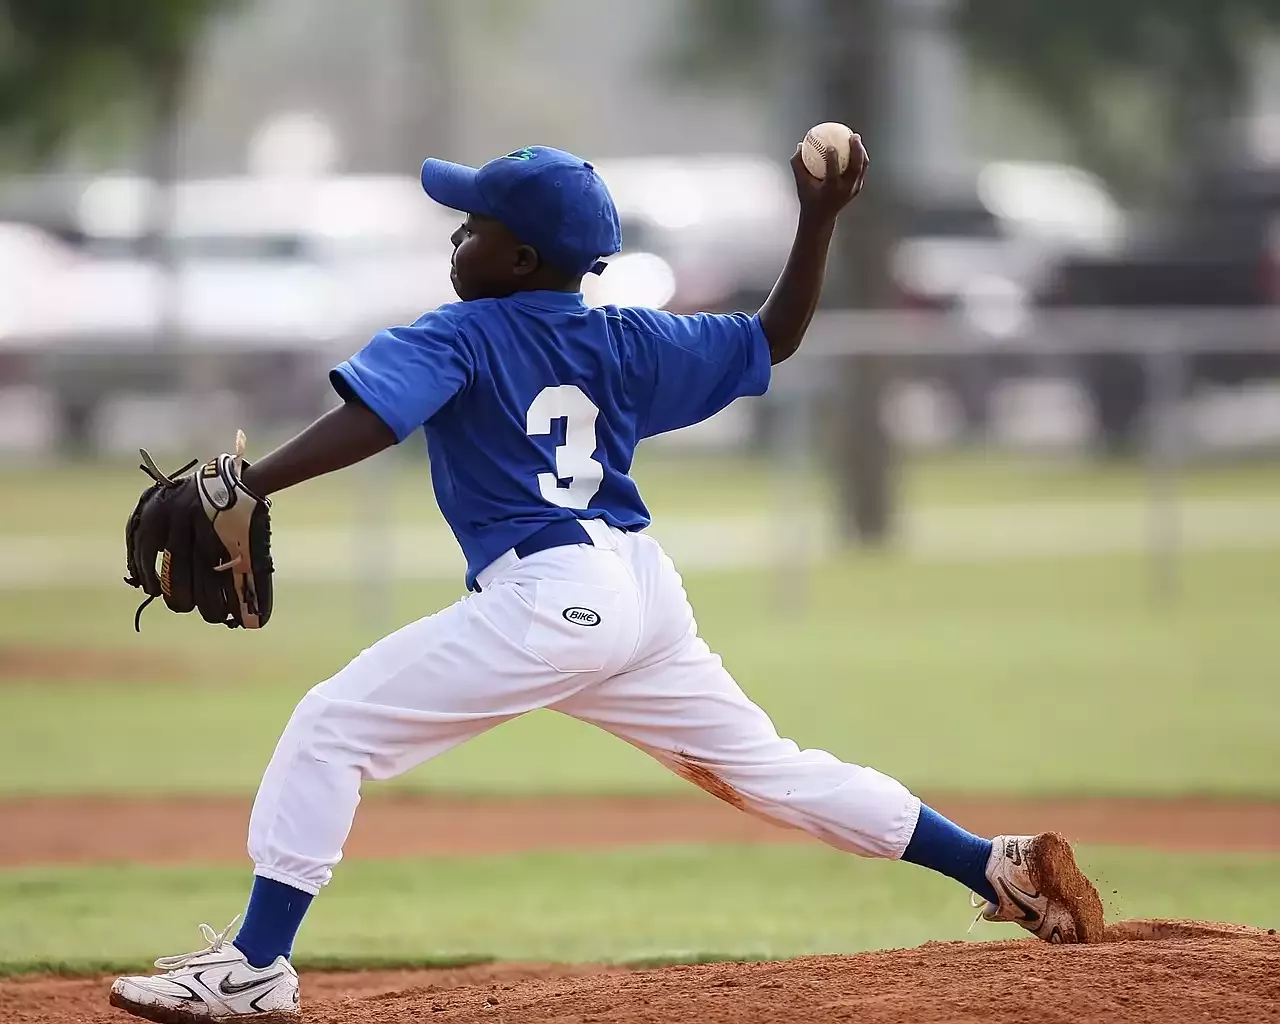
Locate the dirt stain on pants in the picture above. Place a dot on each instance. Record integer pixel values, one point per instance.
(702, 776)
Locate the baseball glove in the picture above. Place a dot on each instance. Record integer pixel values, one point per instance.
(212, 537)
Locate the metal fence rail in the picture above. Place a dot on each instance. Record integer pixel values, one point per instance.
(1167, 348)
(1052, 332)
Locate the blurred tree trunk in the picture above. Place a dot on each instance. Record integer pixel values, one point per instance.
(436, 32)
(169, 76)
(853, 85)
(412, 90)
(160, 167)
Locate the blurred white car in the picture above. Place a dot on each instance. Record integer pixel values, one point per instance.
(280, 262)
(32, 265)
(256, 261)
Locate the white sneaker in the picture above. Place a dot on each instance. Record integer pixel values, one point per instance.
(1041, 889)
(216, 983)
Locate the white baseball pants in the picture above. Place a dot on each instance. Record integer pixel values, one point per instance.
(602, 632)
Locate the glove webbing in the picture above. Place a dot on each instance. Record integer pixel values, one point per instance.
(162, 479)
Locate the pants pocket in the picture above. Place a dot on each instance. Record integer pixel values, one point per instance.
(574, 626)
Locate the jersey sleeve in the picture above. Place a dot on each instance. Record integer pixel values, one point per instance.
(700, 364)
(407, 374)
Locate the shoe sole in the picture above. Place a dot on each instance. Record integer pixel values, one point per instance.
(1053, 866)
(170, 1015)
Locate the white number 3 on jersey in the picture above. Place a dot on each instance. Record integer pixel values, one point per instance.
(574, 460)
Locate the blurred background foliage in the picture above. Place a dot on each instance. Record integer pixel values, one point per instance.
(65, 63)
(1136, 84)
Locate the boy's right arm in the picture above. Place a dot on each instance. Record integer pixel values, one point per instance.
(340, 438)
(703, 362)
(786, 314)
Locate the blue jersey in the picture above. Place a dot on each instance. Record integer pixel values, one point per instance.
(533, 405)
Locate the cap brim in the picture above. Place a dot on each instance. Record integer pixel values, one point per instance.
(453, 185)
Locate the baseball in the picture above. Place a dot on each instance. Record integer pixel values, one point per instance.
(830, 135)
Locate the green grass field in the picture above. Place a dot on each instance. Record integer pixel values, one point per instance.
(659, 903)
(1027, 676)
(987, 674)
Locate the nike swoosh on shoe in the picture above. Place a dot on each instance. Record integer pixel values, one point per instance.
(1018, 898)
(229, 988)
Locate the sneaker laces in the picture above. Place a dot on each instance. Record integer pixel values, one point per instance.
(216, 941)
(980, 904)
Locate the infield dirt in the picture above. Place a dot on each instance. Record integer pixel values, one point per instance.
(166, 830)
(1157, 971)
(1161, 972)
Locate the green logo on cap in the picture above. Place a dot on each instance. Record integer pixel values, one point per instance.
(521, 154)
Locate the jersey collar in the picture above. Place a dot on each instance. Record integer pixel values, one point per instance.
(551, 300)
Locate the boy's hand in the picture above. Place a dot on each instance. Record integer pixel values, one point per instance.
(824, 198)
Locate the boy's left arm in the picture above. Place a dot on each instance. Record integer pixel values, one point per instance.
(389, 388)
(340, 438)
(202, 540)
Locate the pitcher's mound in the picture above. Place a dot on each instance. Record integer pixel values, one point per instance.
(1158, 971)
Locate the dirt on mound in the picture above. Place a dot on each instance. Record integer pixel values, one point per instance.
(1158, 971)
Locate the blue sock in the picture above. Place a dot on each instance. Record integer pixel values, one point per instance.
(274, 916)
(945, 847)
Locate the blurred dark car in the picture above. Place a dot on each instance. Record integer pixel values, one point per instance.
(981, 249)
(1218, 249)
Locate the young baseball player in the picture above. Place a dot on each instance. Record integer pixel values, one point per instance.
(532, 405)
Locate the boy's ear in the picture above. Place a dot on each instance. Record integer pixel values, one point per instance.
(527, 260)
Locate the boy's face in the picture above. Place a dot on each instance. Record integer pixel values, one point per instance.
(489, 262)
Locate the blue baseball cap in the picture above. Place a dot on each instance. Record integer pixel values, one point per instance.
(549, 199)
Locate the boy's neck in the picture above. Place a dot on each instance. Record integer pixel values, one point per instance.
(550, 282)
